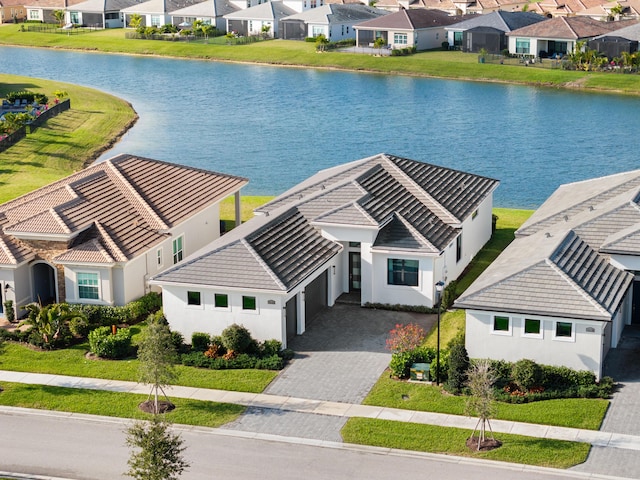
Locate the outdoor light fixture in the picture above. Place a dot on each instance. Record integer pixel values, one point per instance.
(439, 289)
(6, 287)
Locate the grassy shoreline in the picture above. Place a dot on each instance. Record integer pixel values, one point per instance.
(289, 53)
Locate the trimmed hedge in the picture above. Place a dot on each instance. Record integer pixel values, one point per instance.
(133, 312)
(106, 345)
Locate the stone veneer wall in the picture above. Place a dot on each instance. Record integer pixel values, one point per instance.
(46, 250)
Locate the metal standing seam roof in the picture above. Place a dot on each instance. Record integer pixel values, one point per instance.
(125, 203)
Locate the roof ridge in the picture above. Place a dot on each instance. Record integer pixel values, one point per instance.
(262, 263)
(366, 214)
(102, 250)
(139, 200)
(7, 250)
(107, 238)
(58, 219)
(576, 286)
(417, 191)
(415, 232)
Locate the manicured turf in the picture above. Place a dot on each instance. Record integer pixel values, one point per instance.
(451, 441)
(439, 64)
(114, 404)
(72, 361)
(247, 206)
(66, 142)
(569, 412)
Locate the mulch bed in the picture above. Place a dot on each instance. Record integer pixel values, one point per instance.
(486, 445)
(164, 406)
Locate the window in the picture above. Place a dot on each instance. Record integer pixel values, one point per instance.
(400, 38)
(564, 331)
(402, 272)
(88, 286)
(159, 257)
(74, 17)
(155, 21)
(457, 39)
(522, 45)
(502, 325)
(459, 248)
(317, 30)
(193, 298)
(177, 250)
(34, 14)
(532, 328)
(354, 244)
(248, 303)
(474, 214)
(221, 300)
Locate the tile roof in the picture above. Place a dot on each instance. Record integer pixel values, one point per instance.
(632, 32)
(338, 13)
(413, 19)
(274, 10)
(99, 6)
(386, 193)
(500, 20)
(208, 8)
(567, 241)
(159, 6)
(571, 28)
(125, 204)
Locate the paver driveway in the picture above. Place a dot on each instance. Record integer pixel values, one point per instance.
(339, 358)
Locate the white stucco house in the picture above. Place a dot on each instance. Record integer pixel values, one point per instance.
(252, 20)
(98, 13)
(210, 12)
(97, 236)
(563, 291)
(155, 13)
(384, 228)
(334, 21)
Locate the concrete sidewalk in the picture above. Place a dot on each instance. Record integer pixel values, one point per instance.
(333, 409)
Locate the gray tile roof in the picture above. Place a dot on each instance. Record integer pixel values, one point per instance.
(208, 8)
(631, 32)
(274, 10)
(500, 20)
(573, 233)
(337, 13)
(570, 28)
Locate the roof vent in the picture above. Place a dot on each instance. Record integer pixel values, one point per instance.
(266, 214)
(548, 235)
(566, 218)
(591, 209)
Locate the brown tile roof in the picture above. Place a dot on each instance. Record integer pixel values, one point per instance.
(111, 211)
(573, 28)
(413, 19)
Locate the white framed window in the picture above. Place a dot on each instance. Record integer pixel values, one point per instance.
(88, 285)
(523, 46)
(221, 301)
(400, 38)
(501, 325)
(564, 332)
(159, 257)
(402, 272)
(249, 303)
(317, 30)
(178, 249)
(532, 328)
(34, 15)
(156, 21)
(459, 248)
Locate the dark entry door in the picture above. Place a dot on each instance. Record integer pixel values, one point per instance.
(355, 275)
(292, 317)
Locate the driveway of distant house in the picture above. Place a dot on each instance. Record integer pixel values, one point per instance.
(339, 358)
(623, 365)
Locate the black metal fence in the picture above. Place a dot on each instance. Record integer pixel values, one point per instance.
(51, 28)
(31, 127)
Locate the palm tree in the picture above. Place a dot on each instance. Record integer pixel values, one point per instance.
(50, 320)
(59, 16)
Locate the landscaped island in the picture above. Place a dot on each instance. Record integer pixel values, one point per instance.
(437, 64)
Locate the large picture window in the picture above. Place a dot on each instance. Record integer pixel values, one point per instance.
(400, 38)
(522, 46)
(402, 272)
(88, 286)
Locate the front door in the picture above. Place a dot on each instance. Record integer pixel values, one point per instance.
(354, 272)
(635, 316)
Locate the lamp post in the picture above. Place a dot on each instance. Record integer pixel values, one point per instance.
(439, 288)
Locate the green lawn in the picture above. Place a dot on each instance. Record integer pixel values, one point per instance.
(114, 404)
(66, 142)
(451, 441)
(570, 412)
(439, 64)
(72, 361)
(247, 206)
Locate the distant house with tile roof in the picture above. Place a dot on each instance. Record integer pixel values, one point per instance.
(155, 13)
(252, 20)
(419, 27)
(210, 12)
(488, 31)
(42, 10)
(98, 13)
(383, 228)
(97, 236)
(613, 44)
(559, 35)
(334, 21)
(12, 10)
(563, 291)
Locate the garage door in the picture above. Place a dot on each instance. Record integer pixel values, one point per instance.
(292, 317)
(315, 297)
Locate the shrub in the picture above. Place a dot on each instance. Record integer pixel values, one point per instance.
(144, 306)
(270, 348)
(458, 366)
(526, 374)
(106, 345)
(449, 295)
(9, 311)
(177, 340)
(405, 337)
(200, 341)
(79, 327)
(236, 338)
(287, 354)
(401, 361)
(272, 362)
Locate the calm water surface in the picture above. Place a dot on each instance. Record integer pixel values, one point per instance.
(277, 126)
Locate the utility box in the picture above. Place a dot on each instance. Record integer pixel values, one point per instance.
(420, 372)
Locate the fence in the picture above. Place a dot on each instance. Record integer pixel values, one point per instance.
(51, 28)
(31, 127)
(220, 39)
(522, 60)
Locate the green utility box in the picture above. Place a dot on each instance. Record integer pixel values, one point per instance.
(420, 372)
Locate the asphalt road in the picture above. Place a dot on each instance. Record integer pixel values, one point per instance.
(93, 448)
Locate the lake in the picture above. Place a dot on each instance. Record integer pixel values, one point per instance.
(278, 126)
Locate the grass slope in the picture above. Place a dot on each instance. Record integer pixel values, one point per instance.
(66, 142)
(455, 65)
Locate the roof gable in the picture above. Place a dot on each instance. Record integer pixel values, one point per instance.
(570, 28)
(412, 19)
